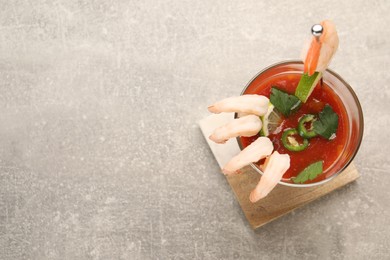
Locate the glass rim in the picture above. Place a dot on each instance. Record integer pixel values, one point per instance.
(361, 126)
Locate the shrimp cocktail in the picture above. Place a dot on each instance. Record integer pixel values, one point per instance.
(298, 124)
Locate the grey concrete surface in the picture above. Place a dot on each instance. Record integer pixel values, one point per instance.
(100, 153)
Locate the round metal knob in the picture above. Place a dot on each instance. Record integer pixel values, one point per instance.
(317, 30)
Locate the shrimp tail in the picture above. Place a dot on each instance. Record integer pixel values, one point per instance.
(277, 165)
(246, 126)
(321, 50)
(312, 57)
(216, 139)
(254, 152)
(248, 104)
(213, 109)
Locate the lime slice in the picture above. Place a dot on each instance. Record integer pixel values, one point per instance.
(271, 121)
(306, 85)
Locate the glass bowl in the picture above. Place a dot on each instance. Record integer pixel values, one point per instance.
(351, 104)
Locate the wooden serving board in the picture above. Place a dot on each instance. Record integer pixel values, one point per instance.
(282, 199)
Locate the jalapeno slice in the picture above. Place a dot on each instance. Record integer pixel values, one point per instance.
(291, 143)
(303, 131)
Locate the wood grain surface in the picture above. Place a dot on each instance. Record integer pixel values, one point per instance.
(282, 199)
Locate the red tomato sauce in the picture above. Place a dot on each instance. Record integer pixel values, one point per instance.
(319, 148)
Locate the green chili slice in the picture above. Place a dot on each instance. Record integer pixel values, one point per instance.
(291, 143)
(303, 131)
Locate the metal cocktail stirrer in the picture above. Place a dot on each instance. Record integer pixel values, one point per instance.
(317, 31)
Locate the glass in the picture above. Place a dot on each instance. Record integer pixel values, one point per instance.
(348, 98)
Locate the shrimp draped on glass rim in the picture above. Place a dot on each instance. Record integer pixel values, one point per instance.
(316, 56)
(250, 125)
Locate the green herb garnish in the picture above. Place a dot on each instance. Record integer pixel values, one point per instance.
(327, 123)
(284, 102)
(309, 173)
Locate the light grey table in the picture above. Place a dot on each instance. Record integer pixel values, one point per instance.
(100, 153)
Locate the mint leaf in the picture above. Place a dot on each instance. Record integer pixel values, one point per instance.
(309, 173)
(284, 102)
(327, 123)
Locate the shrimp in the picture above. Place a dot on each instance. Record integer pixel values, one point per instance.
(275, 166)
(257, 150)
(323, 46)
(249, 104)
(244, 126)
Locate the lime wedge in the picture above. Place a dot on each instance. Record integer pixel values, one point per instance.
(271, 121)
(306, 85)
